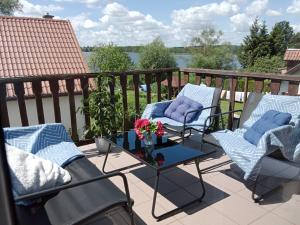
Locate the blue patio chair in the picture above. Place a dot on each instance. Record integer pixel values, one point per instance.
(247, 149)
(207, 96)
(89, 194)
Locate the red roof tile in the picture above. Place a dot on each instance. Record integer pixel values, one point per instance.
(37, 47)
(292, 55)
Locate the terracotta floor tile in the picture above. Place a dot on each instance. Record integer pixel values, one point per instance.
(289, 211)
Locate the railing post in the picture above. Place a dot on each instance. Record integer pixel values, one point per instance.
(186, 76)
(198, 78)
(19, 90)
(123, 81)
(169, 77)
(136, 81)
(259, 85)
(37, 90)
(54, 89)
(84, 82)
(232, 83)
(275, 87)
(148, 87)
(158, 82)
(293, 88)
(208, 80)
(246, 89)
(70, 88)
(3, 106)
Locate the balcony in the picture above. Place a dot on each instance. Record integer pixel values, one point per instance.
(227, 200)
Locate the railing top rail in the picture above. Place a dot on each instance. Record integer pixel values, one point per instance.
(82, 75)
(230, 73)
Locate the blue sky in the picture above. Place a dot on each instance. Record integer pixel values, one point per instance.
(138, 22)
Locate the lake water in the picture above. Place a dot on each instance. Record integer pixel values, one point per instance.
(182, 60)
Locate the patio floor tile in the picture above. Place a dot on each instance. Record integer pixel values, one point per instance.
(271, 219)
(289, 211)
(239, 210)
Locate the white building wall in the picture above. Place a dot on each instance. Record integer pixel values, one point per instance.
(15, 119)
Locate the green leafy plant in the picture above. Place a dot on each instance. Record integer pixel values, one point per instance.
(105, 109)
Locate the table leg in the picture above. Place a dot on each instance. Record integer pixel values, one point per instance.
(179, 208)
(106, 156)
(116, 170)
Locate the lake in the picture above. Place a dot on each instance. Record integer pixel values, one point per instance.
(182, 60)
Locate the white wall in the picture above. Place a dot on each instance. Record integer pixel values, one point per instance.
(15, 119)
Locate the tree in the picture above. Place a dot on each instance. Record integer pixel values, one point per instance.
(281, 35)
(155, 55)
(110, 58)
(255, 45)
(208, 51)
(8, 7)
(267, 65)
(295, 41)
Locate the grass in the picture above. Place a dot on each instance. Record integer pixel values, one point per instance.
(143, 102)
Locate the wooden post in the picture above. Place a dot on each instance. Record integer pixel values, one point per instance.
(84, 82)
(37, 90)
(19, 89)
(232, 83)
(123, 81)
(3, 106)
(148, 87)
(169, 77)
(136, 81)
(54, 89)
(158, 82)
(70, 88)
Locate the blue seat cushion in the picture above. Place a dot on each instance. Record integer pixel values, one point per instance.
(270, 120)
(180, 106)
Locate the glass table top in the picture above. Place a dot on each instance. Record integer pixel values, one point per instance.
(164, 154)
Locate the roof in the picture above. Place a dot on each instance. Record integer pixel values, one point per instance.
(292, 55)
(174, 82)
(37, 47)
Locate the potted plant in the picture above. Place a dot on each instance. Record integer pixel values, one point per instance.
(105, 111)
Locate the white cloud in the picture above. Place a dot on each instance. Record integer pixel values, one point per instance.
(241, 22)
(82, 21)
(121, 26)
(257, 7)
(296, 28)
(88, 3)
(295, 7)
(30, 9)
(271, 12)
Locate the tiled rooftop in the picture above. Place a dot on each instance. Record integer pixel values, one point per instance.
(292, 55)
(37, 47)
(227, 200)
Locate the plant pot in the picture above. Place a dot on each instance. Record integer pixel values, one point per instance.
(101, 144)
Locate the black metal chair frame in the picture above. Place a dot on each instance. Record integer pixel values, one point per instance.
(8, 213)
(185, 127)
(253, 191)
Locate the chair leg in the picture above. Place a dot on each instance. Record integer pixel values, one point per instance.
(258, 198)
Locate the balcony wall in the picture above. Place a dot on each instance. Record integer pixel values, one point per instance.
(38, 109)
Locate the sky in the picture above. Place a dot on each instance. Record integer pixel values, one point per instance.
(138, 22)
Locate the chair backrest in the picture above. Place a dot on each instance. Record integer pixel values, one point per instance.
(207, 96)
(257, 104)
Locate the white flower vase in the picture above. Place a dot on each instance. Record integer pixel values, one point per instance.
(101, 144)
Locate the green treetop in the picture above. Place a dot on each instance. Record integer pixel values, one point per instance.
(8, 7)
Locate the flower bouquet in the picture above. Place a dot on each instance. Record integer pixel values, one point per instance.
(144, 128)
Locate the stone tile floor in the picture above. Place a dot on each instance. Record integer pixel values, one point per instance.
(227, 200)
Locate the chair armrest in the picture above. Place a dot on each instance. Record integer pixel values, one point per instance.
(68, 186)
(196, 110)
(221, 114)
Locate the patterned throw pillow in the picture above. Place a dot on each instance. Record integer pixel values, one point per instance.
(180, 106)
(270, 120)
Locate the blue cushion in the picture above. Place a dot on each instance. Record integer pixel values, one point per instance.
(270, 120)
(159, 109)
(180, 106)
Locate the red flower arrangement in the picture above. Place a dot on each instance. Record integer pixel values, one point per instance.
(145, 126)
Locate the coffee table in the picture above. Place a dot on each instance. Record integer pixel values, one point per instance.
(166, 154)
